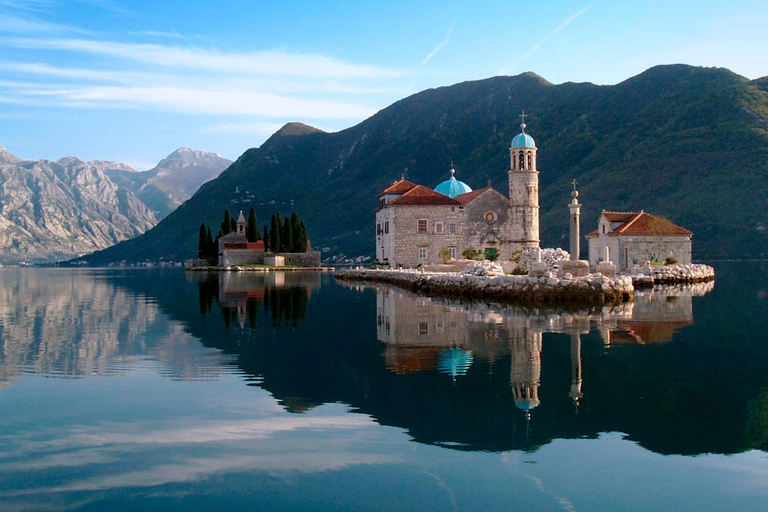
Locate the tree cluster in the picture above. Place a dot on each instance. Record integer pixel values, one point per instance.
(284, 235)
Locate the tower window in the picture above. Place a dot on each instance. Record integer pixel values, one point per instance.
(521, 160)
(530, 166)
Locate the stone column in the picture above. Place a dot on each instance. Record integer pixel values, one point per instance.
(575, 235)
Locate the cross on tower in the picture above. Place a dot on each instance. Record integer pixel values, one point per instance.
(522, 121)
(574, 185)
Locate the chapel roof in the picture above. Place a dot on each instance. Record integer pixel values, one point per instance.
(641, 223)
(420, 195)
(471, 196)
(399, 187)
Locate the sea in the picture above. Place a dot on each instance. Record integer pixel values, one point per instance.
(160, 389)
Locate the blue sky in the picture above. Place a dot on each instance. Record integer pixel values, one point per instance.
(133, 81)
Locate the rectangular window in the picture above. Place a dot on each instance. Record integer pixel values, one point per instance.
(452, 228)
(438, 227)
(386, 227)
(423, 328)
(378, 229)
(422, 253)
(422, 225)
(452, 250)
(453, 209)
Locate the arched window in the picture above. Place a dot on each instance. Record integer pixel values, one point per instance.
(514, 161)
(529, 162)
(522, 159)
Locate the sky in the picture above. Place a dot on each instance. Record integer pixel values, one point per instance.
(133, 81)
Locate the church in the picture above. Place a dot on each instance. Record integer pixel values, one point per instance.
(416, 225)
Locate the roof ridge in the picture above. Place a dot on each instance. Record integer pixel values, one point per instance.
(628, 223)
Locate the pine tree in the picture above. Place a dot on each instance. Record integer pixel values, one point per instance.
(201, 245)
(253, 227)
(266, 239)
(287, 235)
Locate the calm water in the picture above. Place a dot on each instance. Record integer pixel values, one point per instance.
(160, 390)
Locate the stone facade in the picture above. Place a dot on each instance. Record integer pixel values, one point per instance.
(632, 238)
(414, 223)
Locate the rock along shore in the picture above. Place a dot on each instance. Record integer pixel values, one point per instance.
(593, 288)
(692, 273)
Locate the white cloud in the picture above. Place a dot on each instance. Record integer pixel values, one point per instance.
(445, 41)
(558, 29)
(170, 57)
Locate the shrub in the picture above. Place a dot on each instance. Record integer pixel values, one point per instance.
(471, 254)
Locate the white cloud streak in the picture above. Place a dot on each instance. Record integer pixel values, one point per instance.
(558, 29)
(441, 45)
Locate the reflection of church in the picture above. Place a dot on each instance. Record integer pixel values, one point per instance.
(420, 333)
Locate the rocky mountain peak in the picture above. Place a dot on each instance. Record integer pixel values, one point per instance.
(6, 157)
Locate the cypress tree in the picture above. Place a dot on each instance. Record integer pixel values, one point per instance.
(302, 238)
(287, 235)
(274, 242)
(226, 224)
(232, 225)
(201, 245)
(295, 244)
(210, 248)
(266, 238)
(253, 227)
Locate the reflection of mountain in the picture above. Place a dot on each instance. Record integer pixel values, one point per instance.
(642, 390)
(497, 359)
(72, 324)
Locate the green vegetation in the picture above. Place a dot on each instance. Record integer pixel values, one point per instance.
(471, 254)
(684, 142)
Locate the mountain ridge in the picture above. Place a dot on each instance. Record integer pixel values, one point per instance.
(679, 141)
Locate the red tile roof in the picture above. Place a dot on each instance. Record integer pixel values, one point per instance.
(399, 187)
(641, 223)
(471, 196)
(420, 195)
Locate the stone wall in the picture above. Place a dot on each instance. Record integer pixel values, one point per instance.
(231, 257)
(302, 259)
(524, 208)
(481, 235)
(629, 250)
(411, 248)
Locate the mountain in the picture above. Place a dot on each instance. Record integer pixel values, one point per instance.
(173, 180)
(55, 210)
(683, 142)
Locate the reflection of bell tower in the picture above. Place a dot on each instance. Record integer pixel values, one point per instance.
(576, 393)
(525, 378)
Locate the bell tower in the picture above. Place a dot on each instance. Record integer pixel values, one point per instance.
(523, 191)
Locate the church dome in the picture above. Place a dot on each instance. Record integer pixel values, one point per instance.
(453, 187)
(523, 140)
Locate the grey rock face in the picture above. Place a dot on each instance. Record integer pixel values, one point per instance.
(56, 210)
(173, 180)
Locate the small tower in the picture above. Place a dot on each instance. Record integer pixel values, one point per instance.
(241, 224)
(523, 191)
(575, 209)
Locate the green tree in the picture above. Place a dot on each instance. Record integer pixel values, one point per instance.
(295, 233)
(266, 238)
(274, 241)
(226, 225)
(287, 235)
(210, 246)
(301, 244)
(202, 248)
(253, 228)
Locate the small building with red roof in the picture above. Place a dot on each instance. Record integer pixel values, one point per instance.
(632, 238)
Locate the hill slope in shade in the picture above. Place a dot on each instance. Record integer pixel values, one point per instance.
(173, 180)
(682, 142)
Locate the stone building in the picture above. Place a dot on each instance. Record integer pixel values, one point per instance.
(415, 225)
(632, 238)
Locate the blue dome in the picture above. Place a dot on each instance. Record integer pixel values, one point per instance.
(453, 187)
(526, 406)
(454, 361)
(523, 140)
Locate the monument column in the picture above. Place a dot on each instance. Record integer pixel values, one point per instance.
(575, 235)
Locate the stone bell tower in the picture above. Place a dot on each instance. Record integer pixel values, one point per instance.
(523, 191)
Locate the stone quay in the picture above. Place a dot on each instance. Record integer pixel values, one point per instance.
(484, 281)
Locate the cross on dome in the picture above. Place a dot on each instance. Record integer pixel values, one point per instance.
(522, 121)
